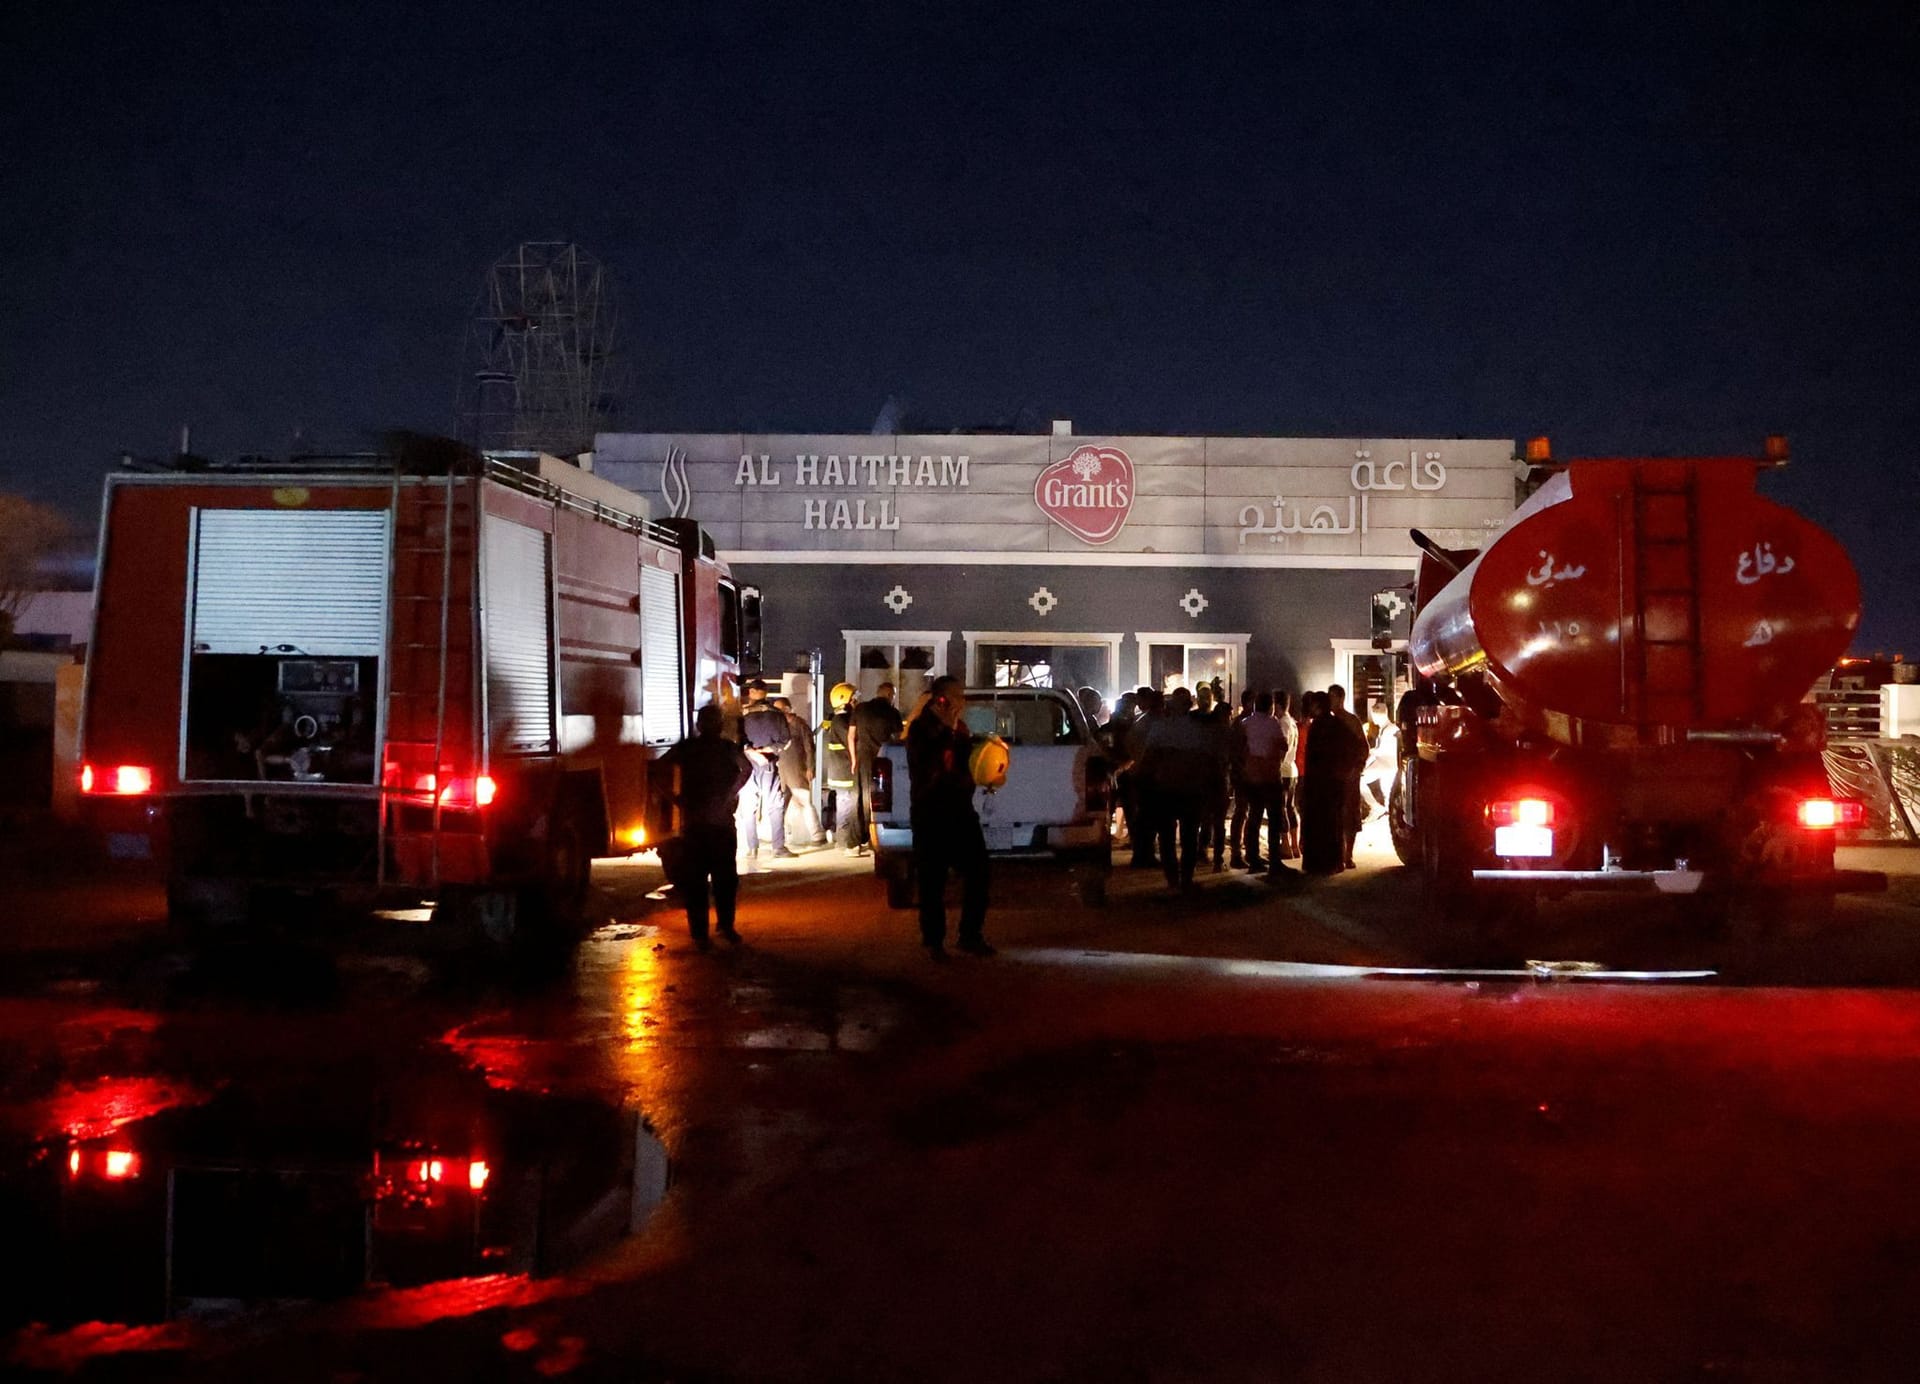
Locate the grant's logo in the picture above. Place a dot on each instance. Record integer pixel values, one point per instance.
(1088, 493)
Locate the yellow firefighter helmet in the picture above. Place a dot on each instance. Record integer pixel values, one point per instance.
(989, 762)
(841, 695)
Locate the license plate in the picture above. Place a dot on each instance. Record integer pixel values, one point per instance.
(1522, 842)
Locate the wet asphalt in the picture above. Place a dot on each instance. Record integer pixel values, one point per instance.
(1236, 1133)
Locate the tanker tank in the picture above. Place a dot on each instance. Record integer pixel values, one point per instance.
(1645, 601)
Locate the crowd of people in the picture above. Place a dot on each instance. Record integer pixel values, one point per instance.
(1255, 788)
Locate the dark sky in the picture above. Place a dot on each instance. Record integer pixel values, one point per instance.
(1636, 228)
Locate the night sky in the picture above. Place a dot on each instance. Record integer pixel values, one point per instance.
(1637, 228)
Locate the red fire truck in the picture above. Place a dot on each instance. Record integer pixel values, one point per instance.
(428, 675)
(1615, 691)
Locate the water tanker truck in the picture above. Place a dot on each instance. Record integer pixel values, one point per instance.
(1611, 695)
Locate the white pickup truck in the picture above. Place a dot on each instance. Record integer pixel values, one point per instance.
(1052, 807)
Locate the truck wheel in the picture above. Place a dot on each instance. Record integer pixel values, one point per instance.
(1406, 839)
(900, 891)
(1092, 888)
(490, 917)
(198, 910)
(566, 868)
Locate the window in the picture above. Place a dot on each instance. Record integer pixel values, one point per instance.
(1023, 720)
(1177, 659)
(909, 659)
(1012, 658)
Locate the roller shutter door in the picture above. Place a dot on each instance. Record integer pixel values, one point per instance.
(519, 646)
(314, 580)
(663, 710)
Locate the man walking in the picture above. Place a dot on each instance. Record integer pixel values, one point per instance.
(766, 730)
(709, 771)
(946, 828)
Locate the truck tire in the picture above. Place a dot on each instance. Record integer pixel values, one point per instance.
(566, 868)
(1400, 823)
(900, 891)
(201, 909)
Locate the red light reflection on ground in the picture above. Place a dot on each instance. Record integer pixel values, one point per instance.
(508, 1062)
(401, 1308)
(68, 1349)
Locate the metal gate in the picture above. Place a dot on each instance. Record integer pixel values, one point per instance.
(290, 581)
(519, 639)
(663, 706)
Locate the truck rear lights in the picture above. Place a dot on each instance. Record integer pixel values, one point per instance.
(124, 780)
(477, 1174)
(1824, 814)
(111, 1165)
(457, 791)
(882, 785)
(1520, 812)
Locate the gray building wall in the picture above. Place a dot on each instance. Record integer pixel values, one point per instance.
(1289, 614)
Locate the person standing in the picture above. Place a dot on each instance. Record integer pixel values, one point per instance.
(1289, 789)
(841, 796)
(1237, 778)
(1179, 769)
(1266, 745)
(946, 828)
(766, 731)
(1350, 807)
(709, 771)
(1211, 714)
(1383, 762)
(876, 723)
(1334, 756)
(796, 771)
(1141, 803)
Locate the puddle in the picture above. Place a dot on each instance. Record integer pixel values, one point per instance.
(262, 1195)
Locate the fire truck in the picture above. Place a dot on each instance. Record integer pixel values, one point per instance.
(425, 675)
(1613, 696)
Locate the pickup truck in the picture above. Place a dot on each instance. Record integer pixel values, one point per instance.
(1053, 806)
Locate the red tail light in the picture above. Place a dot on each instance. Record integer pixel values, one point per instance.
(882, 784)
(1520, 812)
(125, 780)
(112, 1165)
(477, 1174)
(452, 790)
(1825, 814)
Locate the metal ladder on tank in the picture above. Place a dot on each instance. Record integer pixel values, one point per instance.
(406, 649)
(1679, 556)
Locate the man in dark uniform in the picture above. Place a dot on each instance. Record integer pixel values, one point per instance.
(709, 772)
(946, 829)
(766, 730)
(876, 722)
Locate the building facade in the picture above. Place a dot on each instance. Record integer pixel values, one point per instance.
(1073, 561)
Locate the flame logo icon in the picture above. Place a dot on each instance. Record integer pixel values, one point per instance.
(673, 483)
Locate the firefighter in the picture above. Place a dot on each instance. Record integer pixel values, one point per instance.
(766, 731)
(841, 800)
(710, 770)
(946, 828)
